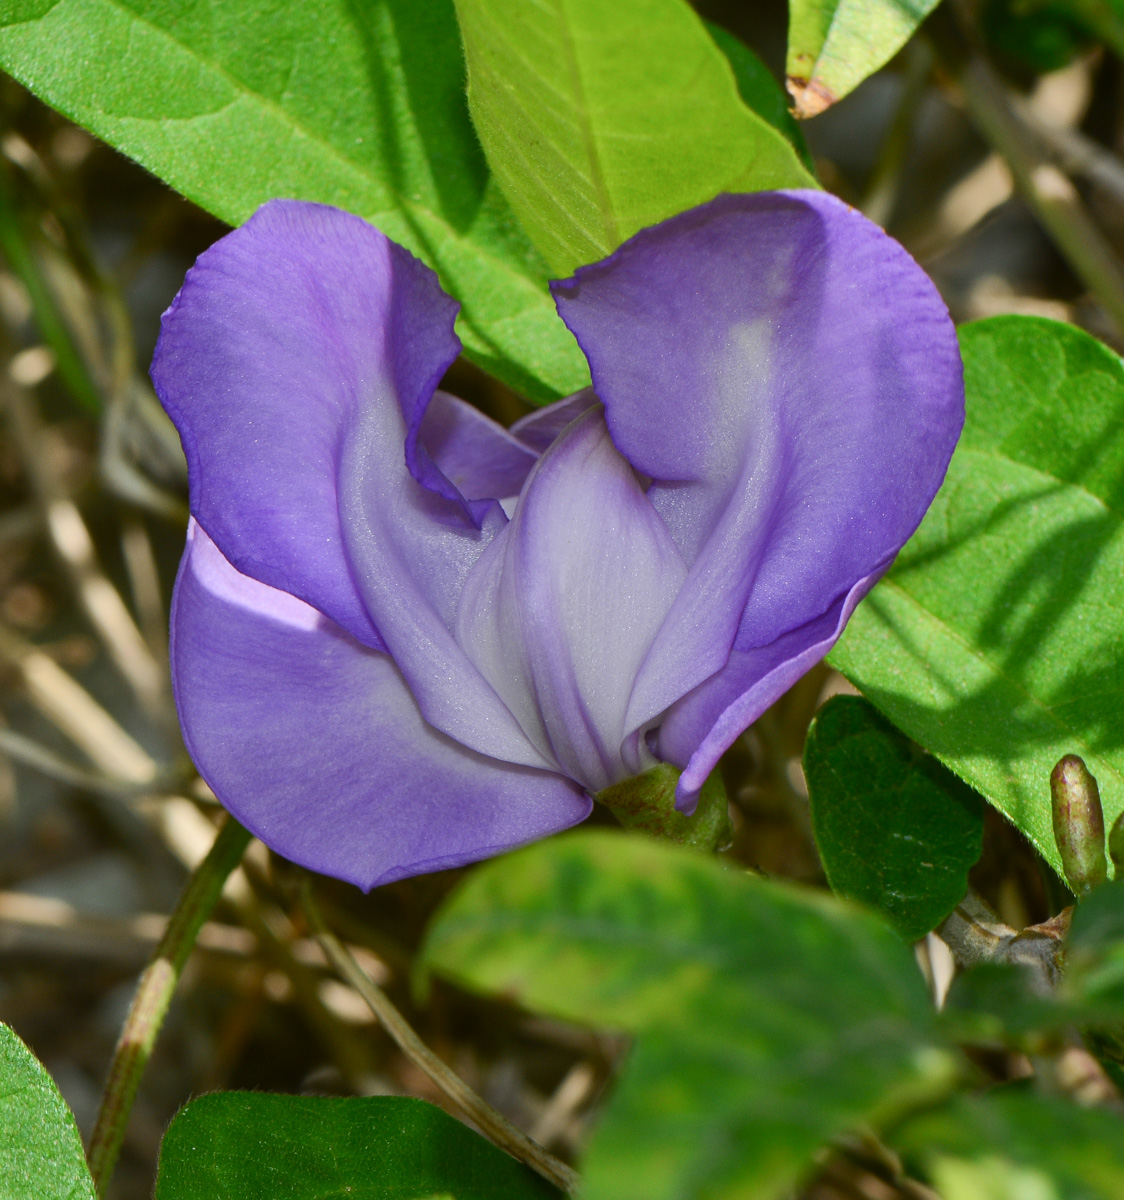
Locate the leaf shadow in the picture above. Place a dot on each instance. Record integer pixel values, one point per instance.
(416, 72)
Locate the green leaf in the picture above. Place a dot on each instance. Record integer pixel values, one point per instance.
(249, 1146)
(1001, 1004)
(833, 45)
(893, 827)
(1093, 984)
(760, 90)
(991, 1178)
(995, 639)
(767, 1018)
(40, 1151)
(357, 105)
(1014, 1145)
(599, 119)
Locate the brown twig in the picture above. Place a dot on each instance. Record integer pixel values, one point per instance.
(74, 548)
(75, 713)
(491, 1123)
(974, 934)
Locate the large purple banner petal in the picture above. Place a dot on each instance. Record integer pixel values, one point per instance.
(790, 380)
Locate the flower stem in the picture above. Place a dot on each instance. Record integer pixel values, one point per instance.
(492, 1124)
(153, 995)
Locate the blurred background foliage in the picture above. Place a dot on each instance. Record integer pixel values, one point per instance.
(99, 807)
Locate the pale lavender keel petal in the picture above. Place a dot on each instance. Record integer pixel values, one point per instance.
(412, 550)
(561, 609)
(315, 744)
(478, 456)
(540, 428)
(705, 723)
(284, 331)
(790, 379)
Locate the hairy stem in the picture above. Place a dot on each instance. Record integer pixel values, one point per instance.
(492, 1124)
(154, 994)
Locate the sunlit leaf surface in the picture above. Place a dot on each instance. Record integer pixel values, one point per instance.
(40, 1151)
(833, 45)
(589, 142)
(996, 640)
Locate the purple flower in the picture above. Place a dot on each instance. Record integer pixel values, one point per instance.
(405, 638)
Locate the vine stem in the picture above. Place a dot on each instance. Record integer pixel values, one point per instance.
(154, 994)
(492, 1124)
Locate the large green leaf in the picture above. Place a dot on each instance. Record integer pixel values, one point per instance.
(996, 640)
(894, 828)
(40, 1151)
(760, 90)
(253, 1146)
(599, 119)
(1015, 1145)
(357, 105)
(768, 1018)
(833, 45)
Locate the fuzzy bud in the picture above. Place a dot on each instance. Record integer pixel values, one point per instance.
(1078, 824)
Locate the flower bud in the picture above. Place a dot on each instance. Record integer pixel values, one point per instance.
(1078, 824)
(1116, 845)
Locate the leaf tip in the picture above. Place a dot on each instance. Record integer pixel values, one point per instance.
(809, 96)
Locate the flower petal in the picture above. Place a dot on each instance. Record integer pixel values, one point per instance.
(790, 379)
(412, 551)
(561, 610)
(277, 339)
(315, 744)
(297, 362)
(705, 723)
(540, 428)
(479, 457)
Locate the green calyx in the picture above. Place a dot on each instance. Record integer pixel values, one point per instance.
(647, 802)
